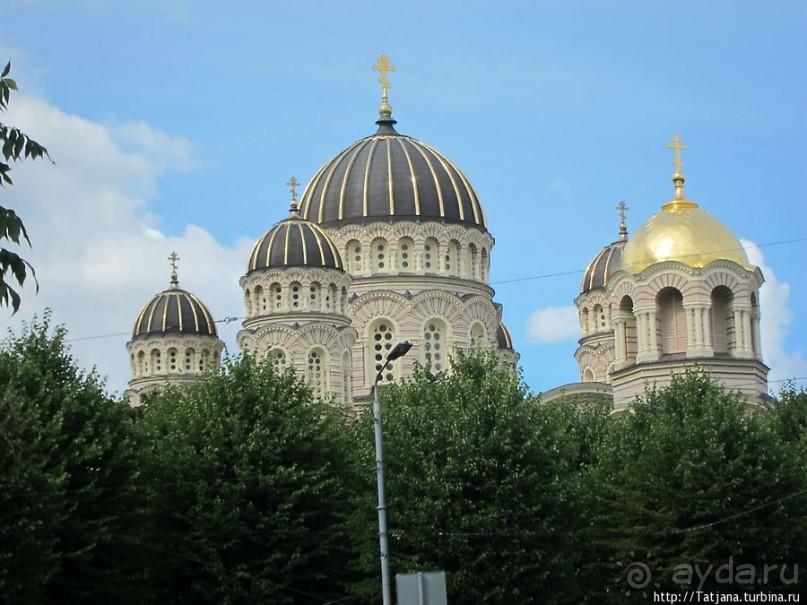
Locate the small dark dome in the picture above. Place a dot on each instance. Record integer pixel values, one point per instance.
(604, 265)
(294, 243)
(503, 336)
(174, 311)
(390, 177)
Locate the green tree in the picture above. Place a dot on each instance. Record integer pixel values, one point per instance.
(62, 464)
(691, 476)
(249, 484)
(478, 484)
(15, 145)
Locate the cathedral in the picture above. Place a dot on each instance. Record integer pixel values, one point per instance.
(389, 242)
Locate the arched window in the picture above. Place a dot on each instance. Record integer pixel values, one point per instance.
(248, 302)
(406, 259)
(630, 342)
(430, 251)
(382, 338)
(204, 361)
(473, 262)
(584, 321)
(278, 360)
(258, 301)
(189, 353)
(721, 320)
(295, 296)
(588, 375)
(277, 293)
(433, 350)
(173, 364)
(600, 320)
(452, 264)
(477, 336)
(671, 320)
(354, 257)
(380, 256)
(314, 292)
(142, 367)
(156, 361)
(315, 372)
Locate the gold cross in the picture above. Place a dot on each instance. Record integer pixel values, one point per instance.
(622, 207)
(293, 184)
(173, 258)
(384, 67)
(676, 144)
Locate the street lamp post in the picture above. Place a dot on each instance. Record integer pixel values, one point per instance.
(400, 349)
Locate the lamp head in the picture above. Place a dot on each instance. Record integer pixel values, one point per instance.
(400, 349)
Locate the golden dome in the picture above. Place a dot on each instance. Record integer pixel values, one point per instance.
(682, 232)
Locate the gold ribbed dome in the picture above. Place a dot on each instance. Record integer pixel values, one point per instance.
(682, 232)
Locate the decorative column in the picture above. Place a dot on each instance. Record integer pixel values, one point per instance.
(756, 345)
(620, 352)
(742, 326)
(646, 334)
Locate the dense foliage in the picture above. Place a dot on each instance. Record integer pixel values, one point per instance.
(242, 489)
(247, 490)
(63, 462)
(691, 479)
(480, 480)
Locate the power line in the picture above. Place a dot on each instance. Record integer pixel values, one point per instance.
(230, 319)
(645, 260)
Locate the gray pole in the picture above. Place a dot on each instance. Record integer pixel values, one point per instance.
(400, 349)
(386, 590)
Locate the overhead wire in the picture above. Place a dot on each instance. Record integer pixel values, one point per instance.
(230, 319)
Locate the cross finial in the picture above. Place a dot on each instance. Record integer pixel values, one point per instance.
(622, 207)
(678, 146)
(623, 228)
(174, 280)
(293, 184)
(384, 68)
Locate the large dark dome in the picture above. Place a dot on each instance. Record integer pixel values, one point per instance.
(174, 311)
(390, 177)
(294, 243)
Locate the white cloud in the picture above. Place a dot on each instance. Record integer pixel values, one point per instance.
(774, 321)
(554, 324)
(98, 253)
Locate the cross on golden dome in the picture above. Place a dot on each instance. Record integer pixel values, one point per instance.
(623, 228)
(678, 146)
(622, 207)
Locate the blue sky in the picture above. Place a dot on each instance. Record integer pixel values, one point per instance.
(175, 125)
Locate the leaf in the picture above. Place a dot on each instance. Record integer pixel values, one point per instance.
(19, 145)
(6, 70)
